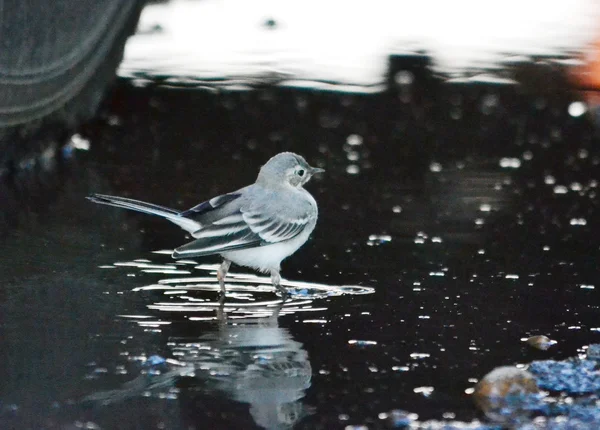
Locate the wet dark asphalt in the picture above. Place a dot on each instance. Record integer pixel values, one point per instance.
(470, 210)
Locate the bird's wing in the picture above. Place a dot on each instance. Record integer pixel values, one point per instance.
(242, 228)
(209, 205)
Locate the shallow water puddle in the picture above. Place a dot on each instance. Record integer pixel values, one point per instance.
(241, 353)
(247, 295)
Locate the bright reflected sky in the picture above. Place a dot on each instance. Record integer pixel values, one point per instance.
(349, 42)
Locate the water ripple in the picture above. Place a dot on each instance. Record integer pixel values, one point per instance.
(248, 295)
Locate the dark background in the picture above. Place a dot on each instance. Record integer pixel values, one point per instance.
(177, 146)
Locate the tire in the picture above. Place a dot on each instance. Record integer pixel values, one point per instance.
(41, 101)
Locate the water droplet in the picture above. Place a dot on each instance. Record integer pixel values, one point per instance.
(404, 77)
(353, 169)
(352, 155)
(455, 113)
(485, 207)
(397, 209)
(354, 140)
(426, 391)
(362, 342)
(378, 239)
(511, 276)
(576, 186)
(577, 109)
(321, 321)
(549, 180)
(560, 189)
(578, 221)
(435, 167)
(489, 103)
(586, 287)
(513, 163)
(419, 355)
(78, 142)
(114, 120)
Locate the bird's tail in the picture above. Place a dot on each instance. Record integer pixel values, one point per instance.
(147, 208)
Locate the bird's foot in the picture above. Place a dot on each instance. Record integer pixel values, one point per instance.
(283, 292)
(276, 281)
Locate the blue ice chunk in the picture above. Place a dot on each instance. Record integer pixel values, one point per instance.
(155, 360)
(593, 352)
(574, 375)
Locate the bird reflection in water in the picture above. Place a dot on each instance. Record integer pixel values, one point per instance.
(242, 356)
(254, 362)
(251, 361)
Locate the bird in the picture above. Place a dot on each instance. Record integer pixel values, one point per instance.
(257, 226)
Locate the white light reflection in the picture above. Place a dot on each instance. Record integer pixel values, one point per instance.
(297, 50)
(248, 295)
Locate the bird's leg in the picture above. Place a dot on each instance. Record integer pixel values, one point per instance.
(222, 273)
(221, 315)
(276, 281)
(275, 315)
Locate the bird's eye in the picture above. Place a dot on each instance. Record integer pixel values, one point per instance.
(301, 172)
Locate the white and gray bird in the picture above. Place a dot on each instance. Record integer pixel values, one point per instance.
(256, 226)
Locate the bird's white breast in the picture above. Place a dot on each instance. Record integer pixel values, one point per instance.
(267, 257)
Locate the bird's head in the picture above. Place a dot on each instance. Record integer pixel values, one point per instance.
(286, 168)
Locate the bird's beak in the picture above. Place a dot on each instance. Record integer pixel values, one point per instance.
(314, 170)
